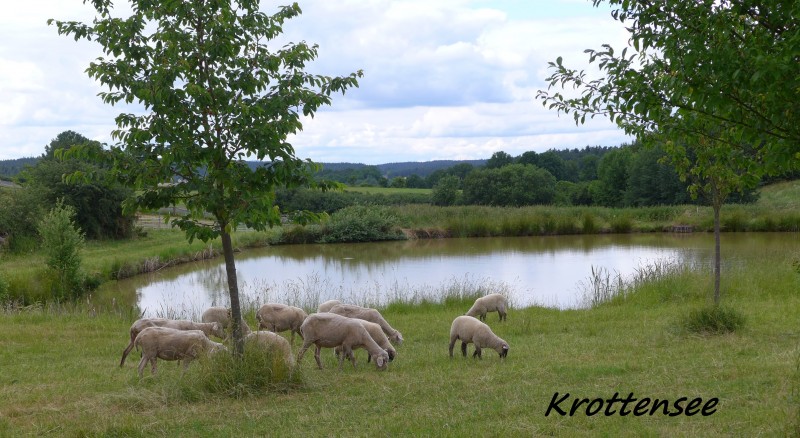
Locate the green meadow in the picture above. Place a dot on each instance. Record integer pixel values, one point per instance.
(60, 373)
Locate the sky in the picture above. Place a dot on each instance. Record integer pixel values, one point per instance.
(443, 79)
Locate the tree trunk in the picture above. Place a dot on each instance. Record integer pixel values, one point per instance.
(717, 254)
(233, 290)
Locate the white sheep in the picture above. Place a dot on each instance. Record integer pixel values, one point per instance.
(489, 303)
(272, 341)
(471, 330)
(173, 344)
(209, 328)
(330, 330)
(222, 315)
(378, 336)
(326, 306)
(280, 317)
(368, 314)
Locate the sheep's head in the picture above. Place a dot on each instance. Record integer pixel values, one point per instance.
(396, 338)
(382, 360)
(216, 347)
(503, 351)
(218, 330)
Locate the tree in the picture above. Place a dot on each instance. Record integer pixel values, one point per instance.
(729, 64)
(512, 185)
(97, 200)
(653, 182)
(215, 94)
(612, 174)
(712, 78)
(445, 191)
(498, 160)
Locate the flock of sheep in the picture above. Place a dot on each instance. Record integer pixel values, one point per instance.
(343, 327)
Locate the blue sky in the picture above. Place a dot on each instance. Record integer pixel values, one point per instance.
(444, 79)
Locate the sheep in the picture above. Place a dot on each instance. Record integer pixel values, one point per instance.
(471, 330)
(222, 315)
(378, 336)
(172, 344)
(371, 315)
(280, 317)
(489, 303)
(270, 340)
(326, 306)
(330, 330)
(209, 328)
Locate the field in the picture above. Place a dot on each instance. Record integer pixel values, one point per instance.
(61, 375)
(387, 190)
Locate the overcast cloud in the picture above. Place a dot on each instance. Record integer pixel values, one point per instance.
(443, 79)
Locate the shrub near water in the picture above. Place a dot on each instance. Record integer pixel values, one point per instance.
(361, 224)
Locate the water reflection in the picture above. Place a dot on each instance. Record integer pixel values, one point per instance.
(546, 271)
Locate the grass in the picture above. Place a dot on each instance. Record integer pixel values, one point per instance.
(631, 343)
(388, 190)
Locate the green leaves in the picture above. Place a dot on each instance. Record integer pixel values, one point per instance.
(216, 94)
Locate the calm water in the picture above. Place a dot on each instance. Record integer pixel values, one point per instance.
(547, 271)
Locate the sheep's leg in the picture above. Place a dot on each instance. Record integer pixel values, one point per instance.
(452, 344)
(464, 348)
(477, 352)
(127, 349)
(302, 352)
(352, 356)
(153, 362)
(142, 364)
(316, 356)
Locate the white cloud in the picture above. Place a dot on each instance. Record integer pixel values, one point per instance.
(443, 79)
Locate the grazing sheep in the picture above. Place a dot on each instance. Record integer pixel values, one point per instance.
(330, 330)
(490, 303)
(269, 341)
(172, 344)
(326, 306)
(209, 328)
(471, 330)
(222, 315)
(280, 317)
(368, 314)
(378, 336)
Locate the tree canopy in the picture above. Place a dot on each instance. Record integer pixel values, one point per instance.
(728, 64)
(215, 93)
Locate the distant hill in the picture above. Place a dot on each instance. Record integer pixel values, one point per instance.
(9, 168)
(422, 169)
(405, 168)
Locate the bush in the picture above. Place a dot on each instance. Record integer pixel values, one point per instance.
(257, 371)
(714, 320)
(361, 224)
(62, 243)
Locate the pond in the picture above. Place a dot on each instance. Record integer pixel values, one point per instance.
(552, 271)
